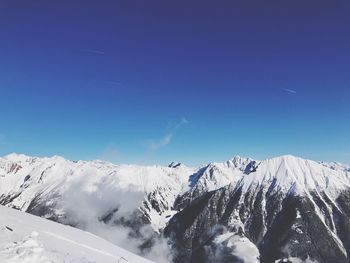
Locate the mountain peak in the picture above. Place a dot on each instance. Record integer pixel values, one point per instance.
(288, 171)
(174, 164)
(15, 157)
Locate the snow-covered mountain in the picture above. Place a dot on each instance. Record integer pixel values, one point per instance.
(25, 238)
(242, 210)
(286, 207)
(52, 187)
(96, 196)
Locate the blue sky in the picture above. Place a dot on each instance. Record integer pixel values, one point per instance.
(193, 81)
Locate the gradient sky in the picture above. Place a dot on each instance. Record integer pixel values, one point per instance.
(193, 81)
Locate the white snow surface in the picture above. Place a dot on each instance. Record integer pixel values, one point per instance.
(217, 175)
(289, 173)
(25, 238)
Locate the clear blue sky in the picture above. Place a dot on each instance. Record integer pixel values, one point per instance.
(193, 81)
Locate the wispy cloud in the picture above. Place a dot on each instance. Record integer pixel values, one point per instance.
(290, 91)
(156, 144)
(160, 143)
(93, 51)
(182, 122)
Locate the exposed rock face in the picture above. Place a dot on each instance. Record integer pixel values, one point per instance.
(288, 207)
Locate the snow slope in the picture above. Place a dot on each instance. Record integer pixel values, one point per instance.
(25, 238)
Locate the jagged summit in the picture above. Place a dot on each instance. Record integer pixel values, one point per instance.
(238, 160)
(174, 164)
(286, 172)
(286, 208)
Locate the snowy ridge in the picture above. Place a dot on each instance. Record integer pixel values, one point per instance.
(248, 198)
(336, 166)
(216, 175)
(155, 188)
(24, 179)
(27, 239)
(299, 175)
(285, 173)
(292, 209)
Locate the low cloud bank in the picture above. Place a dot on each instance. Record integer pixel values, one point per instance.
(109, 212)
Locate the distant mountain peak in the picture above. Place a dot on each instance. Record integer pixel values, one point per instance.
(15, 157)
(174, 164)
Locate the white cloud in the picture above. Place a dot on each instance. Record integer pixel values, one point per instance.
(93, 51)
(87, 203)
(290, 91)
(156, 144)
(183, 121)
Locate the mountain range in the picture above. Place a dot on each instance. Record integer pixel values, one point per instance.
(283, 209)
